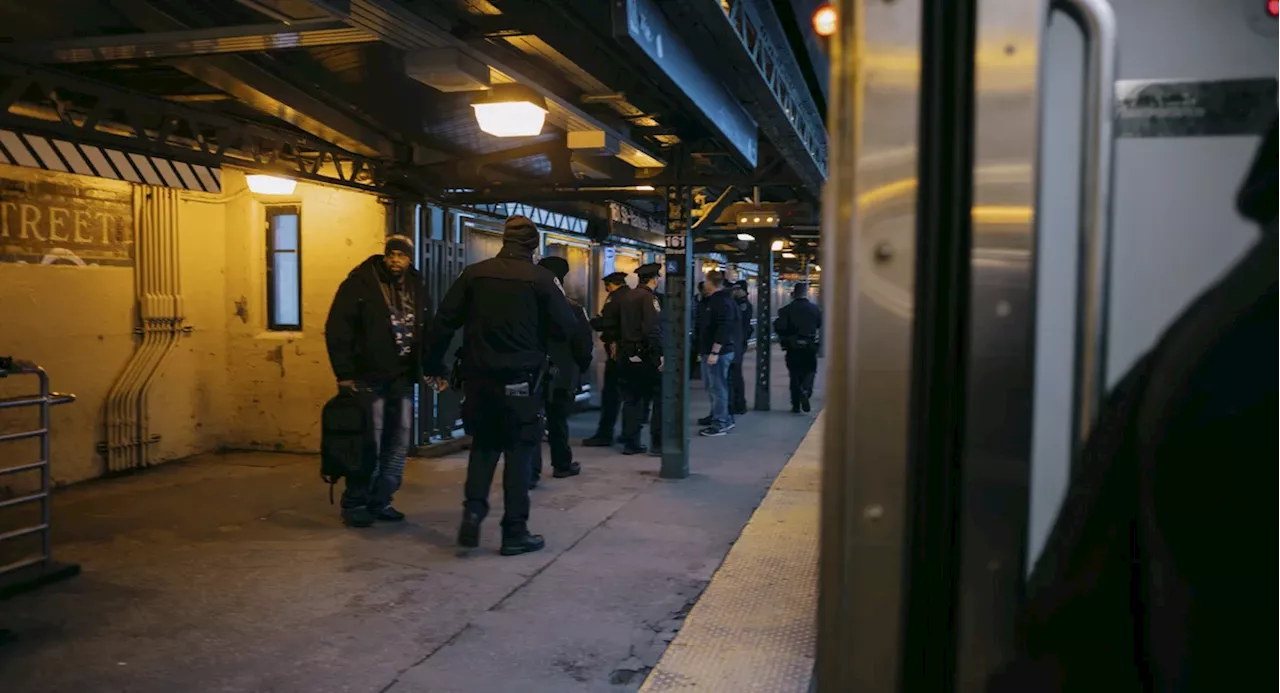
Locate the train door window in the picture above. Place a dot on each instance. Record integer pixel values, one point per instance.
(481, 241)
(284, 268)
(577, 283)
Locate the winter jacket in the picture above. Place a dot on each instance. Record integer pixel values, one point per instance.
(721, 324)
(359, 333)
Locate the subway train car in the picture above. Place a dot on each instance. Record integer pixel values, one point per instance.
(1023, 196)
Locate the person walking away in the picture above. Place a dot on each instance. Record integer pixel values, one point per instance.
(798, 325)
(609, 325)
(508, 309)
(374, 335)
(718, 339)
(640, 362)
(570, 358)
(737, 384)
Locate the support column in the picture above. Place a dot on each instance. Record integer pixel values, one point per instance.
(764, 321)
(677, 268)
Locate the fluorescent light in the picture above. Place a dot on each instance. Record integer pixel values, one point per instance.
(746, 237)
(789, 256)
(817, 268)
(777, 245)
(510, 118)
(261, 184)
(644, 188)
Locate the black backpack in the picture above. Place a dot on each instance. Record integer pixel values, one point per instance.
(347, 447)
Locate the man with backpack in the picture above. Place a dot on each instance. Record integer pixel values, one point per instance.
(374, 338)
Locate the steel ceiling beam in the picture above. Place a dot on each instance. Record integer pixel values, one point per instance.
(408, 29)
(745, 39)
(263, 90)
(188, 42)
(81, 110)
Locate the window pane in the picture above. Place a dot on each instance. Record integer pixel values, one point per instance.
(285, 229)
(284, 274)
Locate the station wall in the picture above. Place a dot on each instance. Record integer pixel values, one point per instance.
(231, 381)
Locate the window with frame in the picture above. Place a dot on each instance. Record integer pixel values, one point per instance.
(284, 268)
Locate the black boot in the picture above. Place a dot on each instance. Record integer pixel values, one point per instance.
(598, 441)
(386, 514)
(357, 517)
(574, 469)
(634, 449)
(469, 530)
(524, 543)
(804, 404)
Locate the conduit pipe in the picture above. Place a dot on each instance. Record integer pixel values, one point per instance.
(157, 288)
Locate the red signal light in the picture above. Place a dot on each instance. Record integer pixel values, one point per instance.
(1273, 8)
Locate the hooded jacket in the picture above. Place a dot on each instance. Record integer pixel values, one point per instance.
(359, 333)
(1154, 555)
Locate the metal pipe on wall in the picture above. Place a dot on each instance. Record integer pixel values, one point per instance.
(170, 318)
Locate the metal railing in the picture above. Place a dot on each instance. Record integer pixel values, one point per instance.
(44, 400)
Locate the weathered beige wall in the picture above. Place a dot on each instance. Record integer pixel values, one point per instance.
(230, 382)
(280, 380)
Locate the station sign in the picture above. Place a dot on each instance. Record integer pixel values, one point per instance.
(65, 223)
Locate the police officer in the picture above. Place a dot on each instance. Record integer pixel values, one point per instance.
(609, 325)
(570, 358)
(640, 362)
(797, 325)
(508, 309)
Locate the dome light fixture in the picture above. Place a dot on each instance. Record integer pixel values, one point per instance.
(511, 110)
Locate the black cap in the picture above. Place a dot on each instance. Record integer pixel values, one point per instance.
(615, 278)
(558, 266)
(649, 271)
(520, 231)
(741, 284)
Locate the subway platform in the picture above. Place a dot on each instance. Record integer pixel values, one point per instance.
(231, 573)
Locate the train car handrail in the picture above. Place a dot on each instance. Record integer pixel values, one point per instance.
(1098, 24)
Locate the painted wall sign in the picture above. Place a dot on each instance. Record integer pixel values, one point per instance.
(623, 216)
(43, 222)
(1168, 108)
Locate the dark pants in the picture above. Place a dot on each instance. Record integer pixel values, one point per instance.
(392, 413)
(515, 481)
(641, 401)
(557, 434)
(802, 364)
(507, 426)
(610, 401)
(737, 385)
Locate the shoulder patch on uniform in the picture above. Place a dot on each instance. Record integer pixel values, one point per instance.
(657, 306)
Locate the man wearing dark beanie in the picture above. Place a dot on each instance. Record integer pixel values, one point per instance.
(510, 311)
(374, 337)
(570, 358)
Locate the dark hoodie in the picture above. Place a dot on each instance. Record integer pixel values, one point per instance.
(375, 326)
(1153, 578)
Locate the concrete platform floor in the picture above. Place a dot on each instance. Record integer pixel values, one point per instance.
(232, 574)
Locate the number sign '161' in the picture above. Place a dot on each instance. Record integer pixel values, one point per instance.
(675, 242)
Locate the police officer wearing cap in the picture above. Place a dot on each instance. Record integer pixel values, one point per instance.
(798, 326)
(509, 309)
(609, 325)
(640, 362)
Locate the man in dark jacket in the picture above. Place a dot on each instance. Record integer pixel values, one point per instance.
(510, 310)
(737, 384)
(798, 326)
(374, 337)
(570, 358)
(718, 337)
(609, 325)
(1151, 578)
(640, 362)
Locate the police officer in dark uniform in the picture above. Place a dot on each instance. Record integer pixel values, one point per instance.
(797, 325)
(609, 325)
(509, 309)
(640, 362)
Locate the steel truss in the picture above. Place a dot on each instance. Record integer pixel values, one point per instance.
(74, 108)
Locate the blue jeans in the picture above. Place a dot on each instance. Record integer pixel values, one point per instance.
(392, 414)
(716, 379)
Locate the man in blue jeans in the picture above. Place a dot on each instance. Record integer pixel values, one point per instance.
(719, 332)
(374, 336)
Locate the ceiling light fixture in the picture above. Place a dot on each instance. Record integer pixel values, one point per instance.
(262, 184)
(826, 20)
(746, 237)
(511, 110)
(789, 256)
(777, 245)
